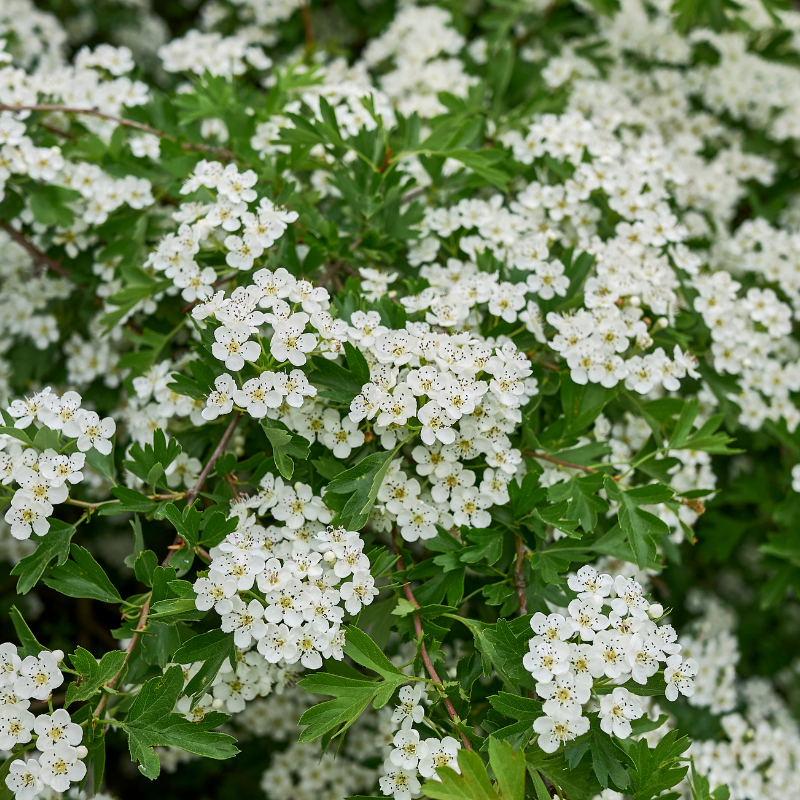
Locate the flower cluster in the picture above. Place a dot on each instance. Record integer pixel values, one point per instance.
(58, 763)
(412, 756)
(624, 645)
(307, 575)
(43, 475)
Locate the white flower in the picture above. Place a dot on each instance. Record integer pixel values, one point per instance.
(61, 766)
(38, 676)
(468, 506)
(439, 753)
(553, 732)
(16, 725)
(407, 750)
(358, 592)
(410, 710)
(341, 434)
(278, 644)
(26, 516)
(216, 590)
(246, 621)
(587, 619)
(546, 659)
(234, 348)
(9, 663)
(58, 469)
(221, 400)
(590, 584)
(24, 779)
(679, 676)
(399, 783)
(57, 728)
(617, 710)
(290, 343)
(62, 414)
(563, 696)
(28, 410)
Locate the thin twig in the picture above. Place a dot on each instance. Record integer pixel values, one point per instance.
(191, 495)
(308, 28)
(195, 490)
(567, 464)
(426, 659)
(519, 578)
(41, 261)
(127, 123)
(93, 506)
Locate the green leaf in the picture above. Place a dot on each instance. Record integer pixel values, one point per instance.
(352, 697)
(93, 674)
(606, 760)
(187, 524)
(143, 459)
(341, 385)
(286, 446)
(129, 500)
(642, 528)
(54, 544)
(654, 771)
(150, 723)
(213, 649)
(361, 483)
(83, 577)
(472, 784)
(144, 566)
(29, 643)
(364, 651)
(509, 769)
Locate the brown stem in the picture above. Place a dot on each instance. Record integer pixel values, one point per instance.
(519, 578)
(190, 498)
(567, 464)
(93, 506)
(41, 261)
(426, 659)
(198, 485)
(127, 123)
(308, 28)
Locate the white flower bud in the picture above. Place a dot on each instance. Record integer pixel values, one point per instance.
(656, 610)
(217, 703)
(82, 751)
(330, 556)
(58, 655)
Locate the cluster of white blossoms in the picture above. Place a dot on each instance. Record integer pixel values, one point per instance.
(58, 764)
(302, 771)
(624, 645)
(412, 756)
(199, 52)
(421, 43)
(307, 575)
(42, 474)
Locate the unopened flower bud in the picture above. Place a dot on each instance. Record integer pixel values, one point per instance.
(82, 751)
(655, 610)
(58, 655)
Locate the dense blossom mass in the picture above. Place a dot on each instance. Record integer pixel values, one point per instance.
(427, 336)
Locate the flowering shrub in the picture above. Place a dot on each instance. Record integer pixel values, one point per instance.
(403, 397)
